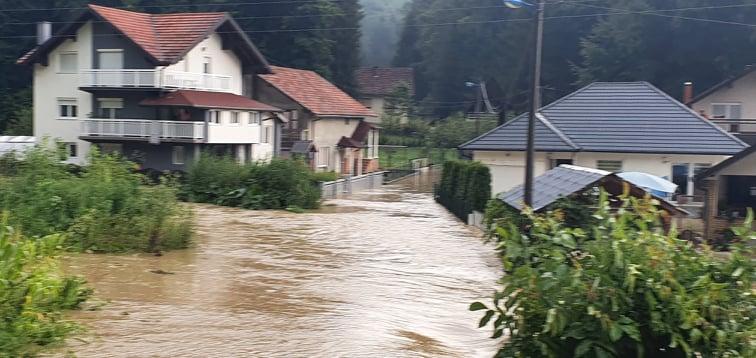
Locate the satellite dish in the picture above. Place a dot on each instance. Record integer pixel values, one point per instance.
(516, 4)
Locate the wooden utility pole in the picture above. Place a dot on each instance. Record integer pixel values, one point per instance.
(535, 104)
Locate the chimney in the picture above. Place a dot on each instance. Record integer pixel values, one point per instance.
(687, 93)
(44, 32)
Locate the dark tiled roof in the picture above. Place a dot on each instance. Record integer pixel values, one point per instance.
(383, 80)
(165, 38)
(556, 183)
(203, 99)
(303, 147)
(347, 142)
(619, 117)
(315, 93)
(361, 132)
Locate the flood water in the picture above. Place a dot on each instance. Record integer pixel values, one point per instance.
(386, 273)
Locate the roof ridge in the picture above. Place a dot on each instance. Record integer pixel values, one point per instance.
(564, 137)
(696, 115)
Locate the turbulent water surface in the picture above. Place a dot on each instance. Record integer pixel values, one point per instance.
(386, 273)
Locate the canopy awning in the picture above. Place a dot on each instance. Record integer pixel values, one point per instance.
(209, 100)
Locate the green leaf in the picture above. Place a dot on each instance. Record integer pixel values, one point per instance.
(477, 306)
(583, 348)
(497, 333)
(486, 318)
(615, 332)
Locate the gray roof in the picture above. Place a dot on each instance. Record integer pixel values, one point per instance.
(302, 147)
(617, 117)
(556, 183)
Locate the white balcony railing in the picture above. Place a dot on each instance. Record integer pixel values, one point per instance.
(154, 78)
(143, 129)
(737, 126)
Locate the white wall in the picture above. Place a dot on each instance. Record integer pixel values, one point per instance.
(327, 133)
(508, 168)
(742, 91)
(745, 166)
(376, 105)
(224, 62)
(49, 85)
(227, 133)
(264, 151)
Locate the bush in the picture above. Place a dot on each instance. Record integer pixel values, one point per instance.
(465, 186)
(623, 288)
(321, 177)
(455, 130)
(33, 294)
(105, 207)
(279, 184)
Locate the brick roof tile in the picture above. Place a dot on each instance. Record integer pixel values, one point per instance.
(203, 99)
(383, 80)
(315, 93)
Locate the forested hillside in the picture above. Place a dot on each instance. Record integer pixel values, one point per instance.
(289, 33)
(665, 42)
(380, 30)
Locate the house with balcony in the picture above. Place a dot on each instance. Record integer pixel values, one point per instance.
(615, 127)
(730, 104)
(322, 120)
(158, 88)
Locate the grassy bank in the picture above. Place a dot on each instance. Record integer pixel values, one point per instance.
(104, 207)
(34, 294)
(279, 184)
(401, 157)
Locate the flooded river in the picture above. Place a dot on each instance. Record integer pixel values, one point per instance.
(386, 273)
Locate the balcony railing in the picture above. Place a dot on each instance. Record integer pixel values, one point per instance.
(737, 126)
(154, 78)
(153, 131)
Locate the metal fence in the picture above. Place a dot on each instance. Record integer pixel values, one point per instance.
(351, 185)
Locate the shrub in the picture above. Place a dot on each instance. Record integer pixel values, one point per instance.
(324, 176)
(623, 288)
(279, 184)
(465, 186)
(105, 207)
(33, 294)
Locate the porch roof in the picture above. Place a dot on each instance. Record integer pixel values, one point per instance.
(210, 100)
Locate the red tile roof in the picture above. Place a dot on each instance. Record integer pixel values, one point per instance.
(383, 81)
(166, 37)
(202, 99)
(315, 93)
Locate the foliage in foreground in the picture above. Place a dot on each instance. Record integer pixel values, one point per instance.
(465, 186)
(622, 288)
(105, 207)
(34, 293)
(279, 184)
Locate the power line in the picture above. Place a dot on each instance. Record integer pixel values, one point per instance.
(659, 13)
(177, 5)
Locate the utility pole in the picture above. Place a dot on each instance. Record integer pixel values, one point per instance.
(535, 104)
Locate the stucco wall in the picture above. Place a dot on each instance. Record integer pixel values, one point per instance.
(49, 85)
(327, 133)
(745, 166)
(508, 168)
(741, 91)
(224, 62)
(106, 37)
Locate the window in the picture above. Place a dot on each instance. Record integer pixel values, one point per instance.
(207, 65)
(324, 156)
(68, 62)
(110, 59)
(684, 177)
(72, 149)
(110, 107)
(178, 155)
(267, 134)
(254, 118)
(725, 110)
(557, 162)
(214, 117)
(234, 118)
(613, 166)
(67, 108)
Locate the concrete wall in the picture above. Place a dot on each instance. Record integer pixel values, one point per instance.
(335, 189)
(49, 85)
(508, 168)
(223, 62)
(107, 38)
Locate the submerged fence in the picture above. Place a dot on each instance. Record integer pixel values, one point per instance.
(350, 185)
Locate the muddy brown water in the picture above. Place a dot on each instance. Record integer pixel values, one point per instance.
(386, 273)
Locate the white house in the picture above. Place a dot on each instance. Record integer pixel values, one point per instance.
(158, 88)
(623, 126)
(731, 104)
(376, 86)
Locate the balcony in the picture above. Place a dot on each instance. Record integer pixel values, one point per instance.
(737, 126)
(154, 79)
(143, 130)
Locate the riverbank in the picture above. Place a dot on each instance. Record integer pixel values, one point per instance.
(384, 273)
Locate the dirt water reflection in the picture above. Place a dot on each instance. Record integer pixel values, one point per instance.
(383, 274)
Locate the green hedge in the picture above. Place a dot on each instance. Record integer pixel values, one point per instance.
(465, 186)
(280, 184)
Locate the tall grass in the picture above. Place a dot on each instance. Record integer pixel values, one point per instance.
(106, 207)
(34, 293)
(279, 184)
